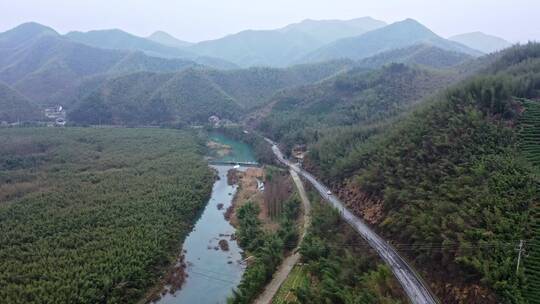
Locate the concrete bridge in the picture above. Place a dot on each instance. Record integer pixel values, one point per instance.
(234, 163)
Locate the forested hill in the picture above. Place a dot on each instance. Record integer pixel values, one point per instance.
(449, 181)
(356, 97)
(190, 96)
(419, 54)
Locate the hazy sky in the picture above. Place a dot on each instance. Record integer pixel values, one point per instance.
(195, 20)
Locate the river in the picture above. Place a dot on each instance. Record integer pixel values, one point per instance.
(212, 272)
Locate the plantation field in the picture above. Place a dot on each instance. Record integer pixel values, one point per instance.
(296, 278)
(530, 145)
(94, 215)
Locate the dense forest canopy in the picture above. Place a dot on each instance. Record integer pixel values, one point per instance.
(94, 215)
(356, 97)
(190, 96)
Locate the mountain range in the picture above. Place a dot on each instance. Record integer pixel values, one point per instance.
(189, 96)
(282, 47)
(47, 68)
(397, 35)
(303, 42)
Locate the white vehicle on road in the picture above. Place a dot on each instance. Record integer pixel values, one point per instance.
(329, 192)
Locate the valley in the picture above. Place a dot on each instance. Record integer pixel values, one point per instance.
(349, 161)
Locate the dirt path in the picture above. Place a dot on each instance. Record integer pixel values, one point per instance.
(288, 263)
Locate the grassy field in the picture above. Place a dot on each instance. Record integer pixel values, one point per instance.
(94, 215)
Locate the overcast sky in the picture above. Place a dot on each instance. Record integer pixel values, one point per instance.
(195, 20)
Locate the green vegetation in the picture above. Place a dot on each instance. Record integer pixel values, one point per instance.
(530, 135)
(453, 184)
(348, 102)
(190, 96)
(94, 215)
(340, 267)
(15, 107)
(298, 277)
(420, 54)
(153, 99)
(266, 248)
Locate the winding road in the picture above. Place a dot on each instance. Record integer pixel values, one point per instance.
(412, 283)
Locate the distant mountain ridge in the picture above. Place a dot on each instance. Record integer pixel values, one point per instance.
(482, 42)
(285, 46)
(119, 40)
(46, 66)
(397, 35)
(331, 30)
(303, 42)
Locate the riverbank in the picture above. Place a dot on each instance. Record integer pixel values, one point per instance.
(249, 190)
(212, 256)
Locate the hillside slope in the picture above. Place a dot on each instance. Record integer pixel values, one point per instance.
(190, 96)
(14, 107)
(420, 54)
(359, 96)
(449, 182)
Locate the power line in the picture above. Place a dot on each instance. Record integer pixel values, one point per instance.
(213, 277)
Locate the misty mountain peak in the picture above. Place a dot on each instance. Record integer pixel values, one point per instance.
(25, 32)
(29, 28)
(168, 39)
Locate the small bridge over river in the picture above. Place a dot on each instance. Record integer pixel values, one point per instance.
(234, 163)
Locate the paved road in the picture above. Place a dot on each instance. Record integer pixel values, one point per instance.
(288, 263)
(413, 285)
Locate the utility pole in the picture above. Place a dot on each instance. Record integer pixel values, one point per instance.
(520, 251)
